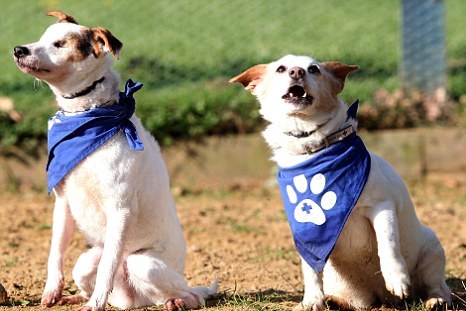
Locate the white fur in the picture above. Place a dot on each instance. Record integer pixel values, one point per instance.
(383, 252)
(118, 198)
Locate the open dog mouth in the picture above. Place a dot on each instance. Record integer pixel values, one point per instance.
(298, 96)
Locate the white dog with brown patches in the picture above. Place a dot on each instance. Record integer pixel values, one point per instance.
(380, 251)
(118, 195)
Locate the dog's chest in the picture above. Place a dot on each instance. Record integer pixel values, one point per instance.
(93, 188)
(357, 240)
(89, 216)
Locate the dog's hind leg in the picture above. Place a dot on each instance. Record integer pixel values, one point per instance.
(429, 276)
(392, 264)
(157, 283)
(84, 273)
(85, 270)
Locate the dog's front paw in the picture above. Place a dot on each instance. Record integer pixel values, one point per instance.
(319, 306)
(71, 300)
(314, 303)
(51, 294)
(398, 285)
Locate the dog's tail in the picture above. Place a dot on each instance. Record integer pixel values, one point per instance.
(205, 292)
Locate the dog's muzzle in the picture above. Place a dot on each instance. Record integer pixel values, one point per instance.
(25, 63)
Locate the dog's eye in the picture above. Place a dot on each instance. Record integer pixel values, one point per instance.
(313, 69)
(281, 69)
(59, 44)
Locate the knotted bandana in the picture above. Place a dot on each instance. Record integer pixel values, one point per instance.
(319, 194)
(71, 138)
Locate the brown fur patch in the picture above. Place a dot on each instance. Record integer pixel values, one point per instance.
(102, 37)
(339, 71)
(337, 303)
(62, 17)
(326, 100)
(81, 45)
(251, 77)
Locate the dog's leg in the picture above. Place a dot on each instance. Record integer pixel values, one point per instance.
(62, 229)
(429, 276)
(85, 270)
(118, 220)
(395, 273)
(314, 298)
(153, 278)
(84, 273)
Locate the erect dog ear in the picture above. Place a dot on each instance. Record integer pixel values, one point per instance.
(102, 40)
(62, 17)
(339, 71)
(251, 77)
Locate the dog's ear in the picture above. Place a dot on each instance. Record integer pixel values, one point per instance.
(62, 17)
(339, 71)
(251, 77)
(103, 39)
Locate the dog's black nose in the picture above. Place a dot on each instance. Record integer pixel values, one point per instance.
(21, 51)
(296, 73)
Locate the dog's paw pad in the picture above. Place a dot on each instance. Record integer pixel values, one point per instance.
(307, 210)
(435, 302)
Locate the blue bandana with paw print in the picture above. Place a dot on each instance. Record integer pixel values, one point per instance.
(71, 138)
(319, 194)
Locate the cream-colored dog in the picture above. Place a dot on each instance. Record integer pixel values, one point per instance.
(383, 253)
(119, 194)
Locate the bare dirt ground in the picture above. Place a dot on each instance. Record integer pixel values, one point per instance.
(238, 234)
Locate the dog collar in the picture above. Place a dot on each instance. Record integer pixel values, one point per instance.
(331, 139)
(85, 91)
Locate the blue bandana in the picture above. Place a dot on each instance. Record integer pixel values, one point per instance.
(320, 193)
(73, 138)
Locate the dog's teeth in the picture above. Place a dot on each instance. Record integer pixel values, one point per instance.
(304, 95)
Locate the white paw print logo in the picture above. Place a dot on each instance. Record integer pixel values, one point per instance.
(307, 210)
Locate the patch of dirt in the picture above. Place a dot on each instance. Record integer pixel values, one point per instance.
(238, 234)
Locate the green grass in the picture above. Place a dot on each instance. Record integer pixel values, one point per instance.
(235, 299)
(185, 52)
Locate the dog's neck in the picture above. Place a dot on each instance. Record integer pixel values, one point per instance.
(97, 90)
(85, 91)
(290, 138)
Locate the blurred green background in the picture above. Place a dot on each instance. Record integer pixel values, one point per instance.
(186, 51)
